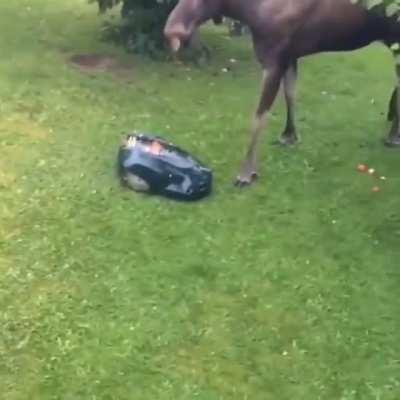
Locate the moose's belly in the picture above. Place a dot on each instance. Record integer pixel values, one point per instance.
(330, 43)
(337, 28)
(352, 41)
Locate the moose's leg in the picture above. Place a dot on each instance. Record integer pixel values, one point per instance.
(392, 106)
(393, 140)
(270, 86)
(289, 135)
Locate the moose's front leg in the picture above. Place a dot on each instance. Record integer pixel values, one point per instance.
(270, 86)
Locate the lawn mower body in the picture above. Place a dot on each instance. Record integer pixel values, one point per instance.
(150, 164)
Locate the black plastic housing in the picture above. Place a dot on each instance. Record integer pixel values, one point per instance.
(150, 164)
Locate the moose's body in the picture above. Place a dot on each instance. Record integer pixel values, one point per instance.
(284, 31)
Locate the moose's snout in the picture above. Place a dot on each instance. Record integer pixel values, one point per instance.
(176, 34)
(179, 27)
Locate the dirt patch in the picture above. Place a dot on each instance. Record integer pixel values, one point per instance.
(98, 63)
(93, 62)
(25, 127)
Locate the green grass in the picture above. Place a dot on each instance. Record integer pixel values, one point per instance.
(287, 290)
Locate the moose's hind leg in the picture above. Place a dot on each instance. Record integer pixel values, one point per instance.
(393, 139)
(392, 106)
(289, 135)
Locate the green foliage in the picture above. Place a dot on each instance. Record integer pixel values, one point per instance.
(141, 25)
(391, 8)
(105, 4)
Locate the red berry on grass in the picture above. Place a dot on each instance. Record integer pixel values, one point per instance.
(362, 168)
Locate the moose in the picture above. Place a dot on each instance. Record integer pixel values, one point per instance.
(283, 31)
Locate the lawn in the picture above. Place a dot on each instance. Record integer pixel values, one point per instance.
(285, 290)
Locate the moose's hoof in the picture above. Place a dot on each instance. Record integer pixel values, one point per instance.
(245, 180)
(393, 142)
(287, 140)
